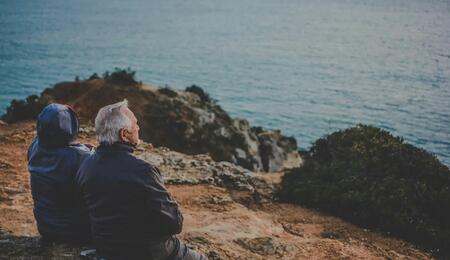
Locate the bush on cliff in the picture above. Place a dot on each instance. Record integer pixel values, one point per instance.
(166, 90)
(204, 97)
(94, 76)
(373, 179)
(121, 76)
(24, 109)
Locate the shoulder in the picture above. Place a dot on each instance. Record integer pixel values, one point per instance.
(147, 171)
(79, 151)
(80, 148)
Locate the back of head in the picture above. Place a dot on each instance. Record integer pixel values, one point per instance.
(57, 125)
(110, 119)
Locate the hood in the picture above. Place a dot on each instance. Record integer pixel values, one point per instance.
(57, 125)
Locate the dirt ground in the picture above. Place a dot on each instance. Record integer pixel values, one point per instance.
(221, 223)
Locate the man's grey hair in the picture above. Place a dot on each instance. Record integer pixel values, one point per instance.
(110, 119)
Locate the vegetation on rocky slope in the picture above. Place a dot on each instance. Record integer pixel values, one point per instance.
(30, 107)
(24, 109)
(367, 176)
(187, 121)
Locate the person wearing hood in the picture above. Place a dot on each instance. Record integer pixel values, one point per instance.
(53, 161)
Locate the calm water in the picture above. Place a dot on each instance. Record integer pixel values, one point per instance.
(306, 67)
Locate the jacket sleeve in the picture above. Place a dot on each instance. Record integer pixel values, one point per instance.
(31, 148)
(161, 207)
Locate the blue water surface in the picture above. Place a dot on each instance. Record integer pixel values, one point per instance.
(306, 67)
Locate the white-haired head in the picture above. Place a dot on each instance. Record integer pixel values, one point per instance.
(110, 120)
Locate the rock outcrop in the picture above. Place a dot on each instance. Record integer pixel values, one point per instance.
(186, 121)
(178, 168)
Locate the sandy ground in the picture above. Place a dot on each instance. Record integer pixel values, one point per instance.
(223, 224)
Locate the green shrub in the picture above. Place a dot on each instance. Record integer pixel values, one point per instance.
(121, 76)
(93, 76)
(204, 97)
(166, 90)
(23, 109)
(365, 175)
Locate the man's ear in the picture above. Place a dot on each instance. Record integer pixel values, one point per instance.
(123, 135)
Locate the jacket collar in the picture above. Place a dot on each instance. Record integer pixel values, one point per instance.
(117, 146)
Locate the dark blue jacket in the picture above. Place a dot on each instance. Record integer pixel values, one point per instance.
(53, 161)
(129, 206)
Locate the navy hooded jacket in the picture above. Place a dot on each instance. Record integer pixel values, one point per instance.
(53, 161)
(128, 204)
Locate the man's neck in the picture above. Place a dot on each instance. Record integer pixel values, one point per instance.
(120, 145)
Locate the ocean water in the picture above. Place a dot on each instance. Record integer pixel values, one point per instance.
(305, 67)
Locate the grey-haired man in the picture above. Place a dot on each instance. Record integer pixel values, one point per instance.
(132, 214)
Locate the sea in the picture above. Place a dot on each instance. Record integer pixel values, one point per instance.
(307, 67)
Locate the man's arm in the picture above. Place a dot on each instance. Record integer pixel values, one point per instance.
(161, 206)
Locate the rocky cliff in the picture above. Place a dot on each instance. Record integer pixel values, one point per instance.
(186, 121)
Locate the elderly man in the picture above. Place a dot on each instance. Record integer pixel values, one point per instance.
(53, 160)
(132, 214)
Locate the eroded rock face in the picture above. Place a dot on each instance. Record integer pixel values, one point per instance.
(277, 151)
(178, 168)
(185, 121)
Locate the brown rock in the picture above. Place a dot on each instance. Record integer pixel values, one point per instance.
(185, 121)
